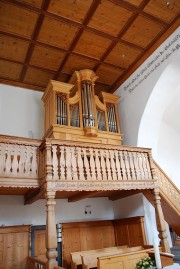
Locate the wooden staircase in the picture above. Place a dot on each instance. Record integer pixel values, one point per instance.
(170, 199)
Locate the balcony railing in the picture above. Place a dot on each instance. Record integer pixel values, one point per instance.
(18, 158)
(83, 162)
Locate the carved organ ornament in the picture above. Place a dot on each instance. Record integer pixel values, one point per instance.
(74, 112)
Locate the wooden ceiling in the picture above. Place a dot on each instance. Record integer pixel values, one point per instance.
(50, 39)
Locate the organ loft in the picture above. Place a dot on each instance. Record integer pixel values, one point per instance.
(74, 112)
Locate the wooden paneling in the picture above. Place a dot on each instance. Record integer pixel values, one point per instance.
(10, 70)
(164, 10)
(123, 55)
(135, 2)
(39, 242)
(37, 76)
(14, 247)
(110, 18)
(13, 48)
(35, 3)
(85, 236)
(17, 20)
(108, 75)
(88, 47)
(142, 31)
(74, 10)
(130, 231)
(57, 33)
(80, 236)
(47, 57)
(75, 62)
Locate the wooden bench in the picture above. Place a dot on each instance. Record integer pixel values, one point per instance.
(89, 260)
(76, 256)
(166, 258)
(123, 260)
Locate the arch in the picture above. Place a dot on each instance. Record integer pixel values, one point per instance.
(160, 123)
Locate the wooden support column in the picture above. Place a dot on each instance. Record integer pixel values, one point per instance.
(161, 225)
(51, 236)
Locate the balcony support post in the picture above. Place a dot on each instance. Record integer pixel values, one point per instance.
(161, 226)
(51, 236)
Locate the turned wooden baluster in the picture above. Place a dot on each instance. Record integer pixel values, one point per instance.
(126, 161)
(62, 163)
(92, 164)
(86, 164)
(80, 164)
(68, 163)
(3, 158)
(131, 163)
(140, 165)
(22, 160)
(113, 168)
(108, 165)
(97, 164)
(14, 160)
(118, 166)
(8, 160)
(161, 226)
(103, 166)
(55, 162)
(137, 173)
(48, 161)
(34, 162)
(74, 164)
(51, 236)
(123, 168)
(147, 166)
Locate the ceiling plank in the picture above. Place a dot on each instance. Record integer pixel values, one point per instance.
(33, 195)
(34, 37)
(83, 195)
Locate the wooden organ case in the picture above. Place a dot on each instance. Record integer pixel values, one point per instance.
(73, 111)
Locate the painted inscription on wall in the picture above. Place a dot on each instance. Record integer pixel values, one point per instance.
(153, 64)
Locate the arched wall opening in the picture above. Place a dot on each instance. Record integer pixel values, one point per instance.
(160, 123)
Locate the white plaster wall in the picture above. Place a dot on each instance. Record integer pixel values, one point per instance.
(136, 90)
(14, 212)
(160, 125)
(21, 112)
(129, 207)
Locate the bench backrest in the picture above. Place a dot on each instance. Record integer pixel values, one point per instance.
(76, 256)
(89, 260)
(126, 259)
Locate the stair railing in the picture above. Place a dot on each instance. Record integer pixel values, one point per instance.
(167, 188)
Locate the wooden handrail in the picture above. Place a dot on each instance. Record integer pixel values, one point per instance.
(84, 161)
(167, 189)
(37, 262)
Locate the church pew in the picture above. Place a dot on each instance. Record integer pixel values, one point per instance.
(89, 260)
(123, 260)
(76, 256)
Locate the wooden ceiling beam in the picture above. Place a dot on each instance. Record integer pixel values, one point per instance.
(91, 11)
(33, 195)
(123, 194)
(83, 195)
(34, 37)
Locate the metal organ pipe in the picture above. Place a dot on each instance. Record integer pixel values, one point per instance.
(88, 113)
(114, 119)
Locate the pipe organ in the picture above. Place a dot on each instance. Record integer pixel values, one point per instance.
(74, 112)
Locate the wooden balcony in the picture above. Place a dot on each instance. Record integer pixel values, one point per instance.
(29, 167)
(72, 166)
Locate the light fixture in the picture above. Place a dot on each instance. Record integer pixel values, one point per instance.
(87, 210)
